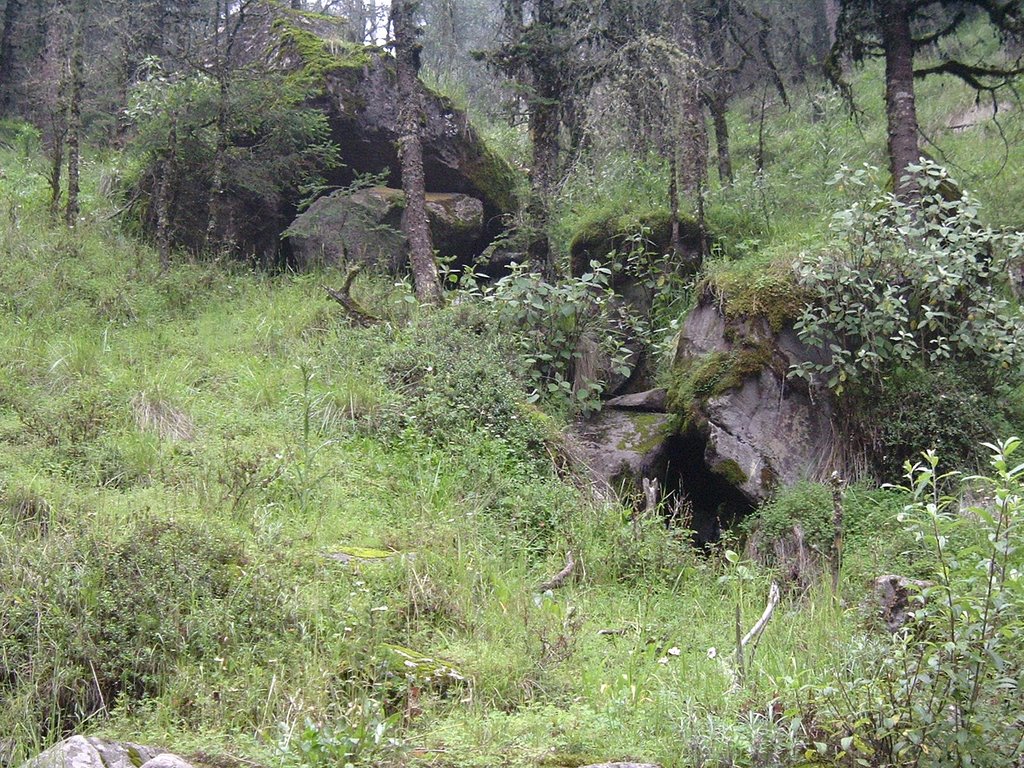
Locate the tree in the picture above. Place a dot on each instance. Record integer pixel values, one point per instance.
(899, 30)
(410, 151)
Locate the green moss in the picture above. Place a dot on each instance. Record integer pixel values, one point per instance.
(321, 55)
(602, 233)
(651, 431)
(757, 287)
(695, 381)
(495, 179)
(731, 472)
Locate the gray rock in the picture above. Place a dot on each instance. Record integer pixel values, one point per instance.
(166, 760)
(893, 594)
(366, 227)
(620, 448)
(772, 429)
(651, 401)
(92, 752)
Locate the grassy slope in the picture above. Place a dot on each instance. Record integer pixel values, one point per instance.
(97, 505)
(283, 471)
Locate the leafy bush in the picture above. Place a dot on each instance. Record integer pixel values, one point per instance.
(455, 377)
(942, 409)
(910, 285)
(548, 324)
(947, 690)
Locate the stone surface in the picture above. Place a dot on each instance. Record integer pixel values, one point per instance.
(166, 760)
(651, 401)
(359, 97)
(366, 227)
(772, 429)
(92, 752)
(354, 87)
(976, 114)
(893, 595)
(620, 448)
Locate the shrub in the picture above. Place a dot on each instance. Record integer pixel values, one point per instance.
(946, 691)
(548, 322)
(93, 618)
(456, 377)
(910, 285)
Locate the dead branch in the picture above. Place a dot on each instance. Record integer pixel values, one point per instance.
(559, 578)
(344, 297)
(755, 631)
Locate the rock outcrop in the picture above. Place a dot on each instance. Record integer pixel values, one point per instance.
(621, 447)
(365, 227)
(355, 89)
(729, 430)
(93, 752)
(760, 427)
(311, 57)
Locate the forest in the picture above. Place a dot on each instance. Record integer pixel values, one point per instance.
(519, 383)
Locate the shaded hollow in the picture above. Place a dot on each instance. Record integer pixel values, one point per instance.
(710, 500)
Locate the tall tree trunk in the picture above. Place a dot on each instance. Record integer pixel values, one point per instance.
(543, 125)
(12, 12)
(410, 152)
(77, 85)
(693, 153)
(215, 201)
(900, 108)
(165, 190)
(718, 108)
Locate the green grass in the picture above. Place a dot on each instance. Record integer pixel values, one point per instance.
(223, 432)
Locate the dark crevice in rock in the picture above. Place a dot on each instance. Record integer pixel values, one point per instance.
(705, 499)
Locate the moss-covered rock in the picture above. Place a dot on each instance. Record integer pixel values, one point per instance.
(729, 382)
(601, 235)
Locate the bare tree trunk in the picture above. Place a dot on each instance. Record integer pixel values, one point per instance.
(165, 189)
(718, 108)
(56, 168)
(215, 201)
(12, 12)
(410, 153)
(900, 107)
(77, 85)
(543, 126)
(693, 153)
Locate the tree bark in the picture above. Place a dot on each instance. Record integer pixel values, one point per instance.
(900, 107)
(410, 153)
(12, 12)
(543, 125)
(77, 85)
(718, 108)
(165, 189)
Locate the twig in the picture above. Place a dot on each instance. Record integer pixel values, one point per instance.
(836, 552)
(344, 297)
(755, 631)
(559, 578)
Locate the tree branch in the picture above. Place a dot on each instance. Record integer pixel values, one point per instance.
(559, 579)
(344, 297)
(972, 74)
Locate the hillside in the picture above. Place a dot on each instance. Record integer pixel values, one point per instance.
(237, 525)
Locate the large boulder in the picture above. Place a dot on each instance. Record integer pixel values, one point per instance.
(356, 89)
(365, 227)
(93, 752)
(760, 427)
(622, 447)
(311, 58)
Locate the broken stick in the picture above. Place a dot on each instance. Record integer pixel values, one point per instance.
(344, 297)
(559, 578)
